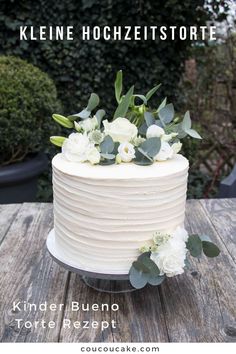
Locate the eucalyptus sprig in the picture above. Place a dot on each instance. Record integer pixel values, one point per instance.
(144, 270)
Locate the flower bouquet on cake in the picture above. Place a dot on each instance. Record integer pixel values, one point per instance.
(120, 190)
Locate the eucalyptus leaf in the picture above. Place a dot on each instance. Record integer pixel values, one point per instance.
(99, 115)
(141, 159)
(186, 123)
(108, 156)
(177, 128)
(162, 105)
(194, 245)
(137, 278)
(115, 149)
(65, 122)
(166, 114)
(143, 129)
(140, 266)
(57, 140)
(193, 133)
(84, 114)
(118, 85)
(205, 238)
(149, 119)
(156, 280)
(150, 147)
(152, 91)
(106, 162)
(93, 102)
(210, 249)
(159, 123)
(150, 265)
(107, 145)
(124, 104)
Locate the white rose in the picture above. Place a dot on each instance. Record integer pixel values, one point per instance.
(170, 257)
(120, 130)
(166, 152)
(75, 148)
(168, 137)
(87, 125)
(93, 155)
(176, 147)
(154, 131)
(126, 152)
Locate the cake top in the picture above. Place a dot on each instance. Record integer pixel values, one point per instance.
(122, 171)
(137, 133)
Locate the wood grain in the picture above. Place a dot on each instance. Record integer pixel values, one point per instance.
(8, 214)
(27, 273)
(139, 318)
(198, 306)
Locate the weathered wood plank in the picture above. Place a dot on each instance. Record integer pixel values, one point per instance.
(139, 318)
(222, 214)
(8, 213)
(200, 306)
(27, 273)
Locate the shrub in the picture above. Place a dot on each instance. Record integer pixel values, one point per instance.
(27, 99)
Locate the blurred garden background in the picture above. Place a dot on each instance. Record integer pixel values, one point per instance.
(199, 76)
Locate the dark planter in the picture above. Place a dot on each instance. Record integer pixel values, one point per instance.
(18, 182)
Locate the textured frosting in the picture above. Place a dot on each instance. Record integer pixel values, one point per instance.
(103, 214)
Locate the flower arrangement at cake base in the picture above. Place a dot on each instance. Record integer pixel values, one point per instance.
(168, 256)
(120, 189)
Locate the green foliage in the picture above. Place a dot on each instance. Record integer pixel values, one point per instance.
(28, 97)
(144, 271)
(197, 244)
(80, 67)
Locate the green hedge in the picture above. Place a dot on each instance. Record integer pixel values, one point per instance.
(28, 97)
(80, 68)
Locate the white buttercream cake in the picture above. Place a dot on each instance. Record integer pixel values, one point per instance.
(104, 214)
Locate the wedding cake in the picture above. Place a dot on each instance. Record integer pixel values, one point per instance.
(119, 188)
(104, 214)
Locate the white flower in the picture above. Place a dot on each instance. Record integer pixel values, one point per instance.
(168, 137)
(180, 234)
(93, 155)
(170, 256)
(120, 130)
(154, 131)
(166, 152)
(87, 125)
(176, 147)
(126, 152)
(75, 148)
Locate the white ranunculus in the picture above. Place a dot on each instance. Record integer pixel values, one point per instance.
(165, 153)
(168, 137)
(170, 257)
(154, 131)
(93, 155)
(126, 152)
(88, 124)
(120, 130)
(176, 147)
(76, 147)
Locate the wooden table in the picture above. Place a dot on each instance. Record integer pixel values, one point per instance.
(198, 306)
